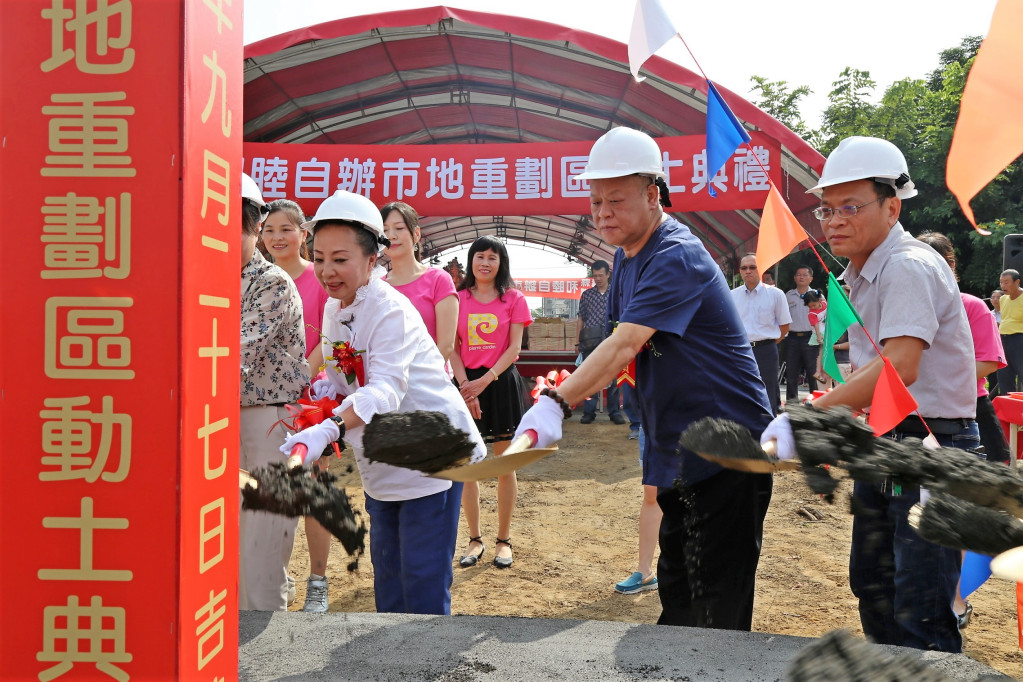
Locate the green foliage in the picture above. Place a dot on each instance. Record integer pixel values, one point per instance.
(980, 275)
(919, 116)
(783, 104)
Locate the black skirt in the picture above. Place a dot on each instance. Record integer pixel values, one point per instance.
(502, 404)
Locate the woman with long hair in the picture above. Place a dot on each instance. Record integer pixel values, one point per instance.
(284, 239)
(491, 318)
(273, 372)
(381, 359)
(431, 290)
(989, 356)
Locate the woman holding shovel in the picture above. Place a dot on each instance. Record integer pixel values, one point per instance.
(380, 358)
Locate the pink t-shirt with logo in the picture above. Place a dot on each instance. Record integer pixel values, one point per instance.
(987, 344)
(425, 292)
(314, 297)
(484, 328)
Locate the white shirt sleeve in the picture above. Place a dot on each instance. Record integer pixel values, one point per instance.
(389, 354)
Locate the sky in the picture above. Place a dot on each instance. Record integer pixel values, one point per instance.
(803, 42)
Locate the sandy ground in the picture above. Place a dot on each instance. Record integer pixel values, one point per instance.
(575, 531)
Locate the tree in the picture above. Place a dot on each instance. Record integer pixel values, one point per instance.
(849, 112)
(783, 104)
(918, 116)
(980, 275)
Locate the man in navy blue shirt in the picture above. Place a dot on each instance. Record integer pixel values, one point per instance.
(675, 317)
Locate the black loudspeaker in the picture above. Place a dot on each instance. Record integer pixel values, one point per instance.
(1012, 252)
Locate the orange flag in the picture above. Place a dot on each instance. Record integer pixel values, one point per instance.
(989, 133)
(892, 401)
(1019, 612)
(780, 232)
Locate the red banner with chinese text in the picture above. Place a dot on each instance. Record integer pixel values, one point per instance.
(498, 179)
(97, 527)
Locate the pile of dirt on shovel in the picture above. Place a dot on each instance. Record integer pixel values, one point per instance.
(292, 492)
(421, 440)
(835, 438)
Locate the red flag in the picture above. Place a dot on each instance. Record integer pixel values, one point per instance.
(780, 232)
(892, 401)
(989, 132)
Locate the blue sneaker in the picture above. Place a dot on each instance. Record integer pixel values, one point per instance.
(634, 584)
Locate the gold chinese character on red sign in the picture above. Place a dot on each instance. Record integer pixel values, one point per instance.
(212, 613)
(85, 338)
(87, 138)
(71, 451)
(86, 524)
(83, 634)
(97, 48)
(80, 233)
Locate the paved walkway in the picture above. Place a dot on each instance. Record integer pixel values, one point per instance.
(371, 646)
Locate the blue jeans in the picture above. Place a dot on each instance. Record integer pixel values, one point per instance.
(630, 406)
(411, 544)
(590, 404)
(904, 584)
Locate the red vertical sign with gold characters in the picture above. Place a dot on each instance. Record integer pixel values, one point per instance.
(118, 513)
(210, 251)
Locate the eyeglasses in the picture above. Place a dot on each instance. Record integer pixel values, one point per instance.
(747, 267)
(825, 214)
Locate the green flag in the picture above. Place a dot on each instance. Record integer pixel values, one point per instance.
(841, 314)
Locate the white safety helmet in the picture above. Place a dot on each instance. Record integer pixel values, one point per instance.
(355, 208)
(620, 152)
(250, 191)
(866, 158)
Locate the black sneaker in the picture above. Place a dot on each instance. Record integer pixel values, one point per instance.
(619, 419)
(587, 419)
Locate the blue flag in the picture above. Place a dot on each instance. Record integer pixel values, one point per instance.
(724, 134)
(976, 570)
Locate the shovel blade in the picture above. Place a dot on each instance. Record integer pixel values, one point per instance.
(494, 466)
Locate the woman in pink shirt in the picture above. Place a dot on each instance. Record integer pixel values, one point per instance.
(491, 317)
(431, 290)
(285, 240)
(989, 356)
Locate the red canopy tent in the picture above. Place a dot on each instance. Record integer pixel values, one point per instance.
(443, 76)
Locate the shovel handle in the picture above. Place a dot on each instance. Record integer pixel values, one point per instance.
(524, 442)
(297, 455)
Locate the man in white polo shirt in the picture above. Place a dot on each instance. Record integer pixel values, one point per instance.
(765, 314)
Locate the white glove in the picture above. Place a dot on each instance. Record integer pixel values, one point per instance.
(316, 438)
(780, 431)
(322, 388)
(545, 418)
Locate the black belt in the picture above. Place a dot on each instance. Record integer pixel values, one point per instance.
(754, 344)
(938, 426)
(800, 335)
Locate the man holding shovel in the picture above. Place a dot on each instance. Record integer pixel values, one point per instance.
(679, 331)
(910, 305)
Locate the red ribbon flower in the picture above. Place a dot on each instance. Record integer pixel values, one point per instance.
(349, 362)
(308, 413)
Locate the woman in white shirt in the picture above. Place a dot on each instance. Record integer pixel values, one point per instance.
(413, 517)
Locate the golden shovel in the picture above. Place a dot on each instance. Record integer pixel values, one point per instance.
(768, 464)
(519, 454)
